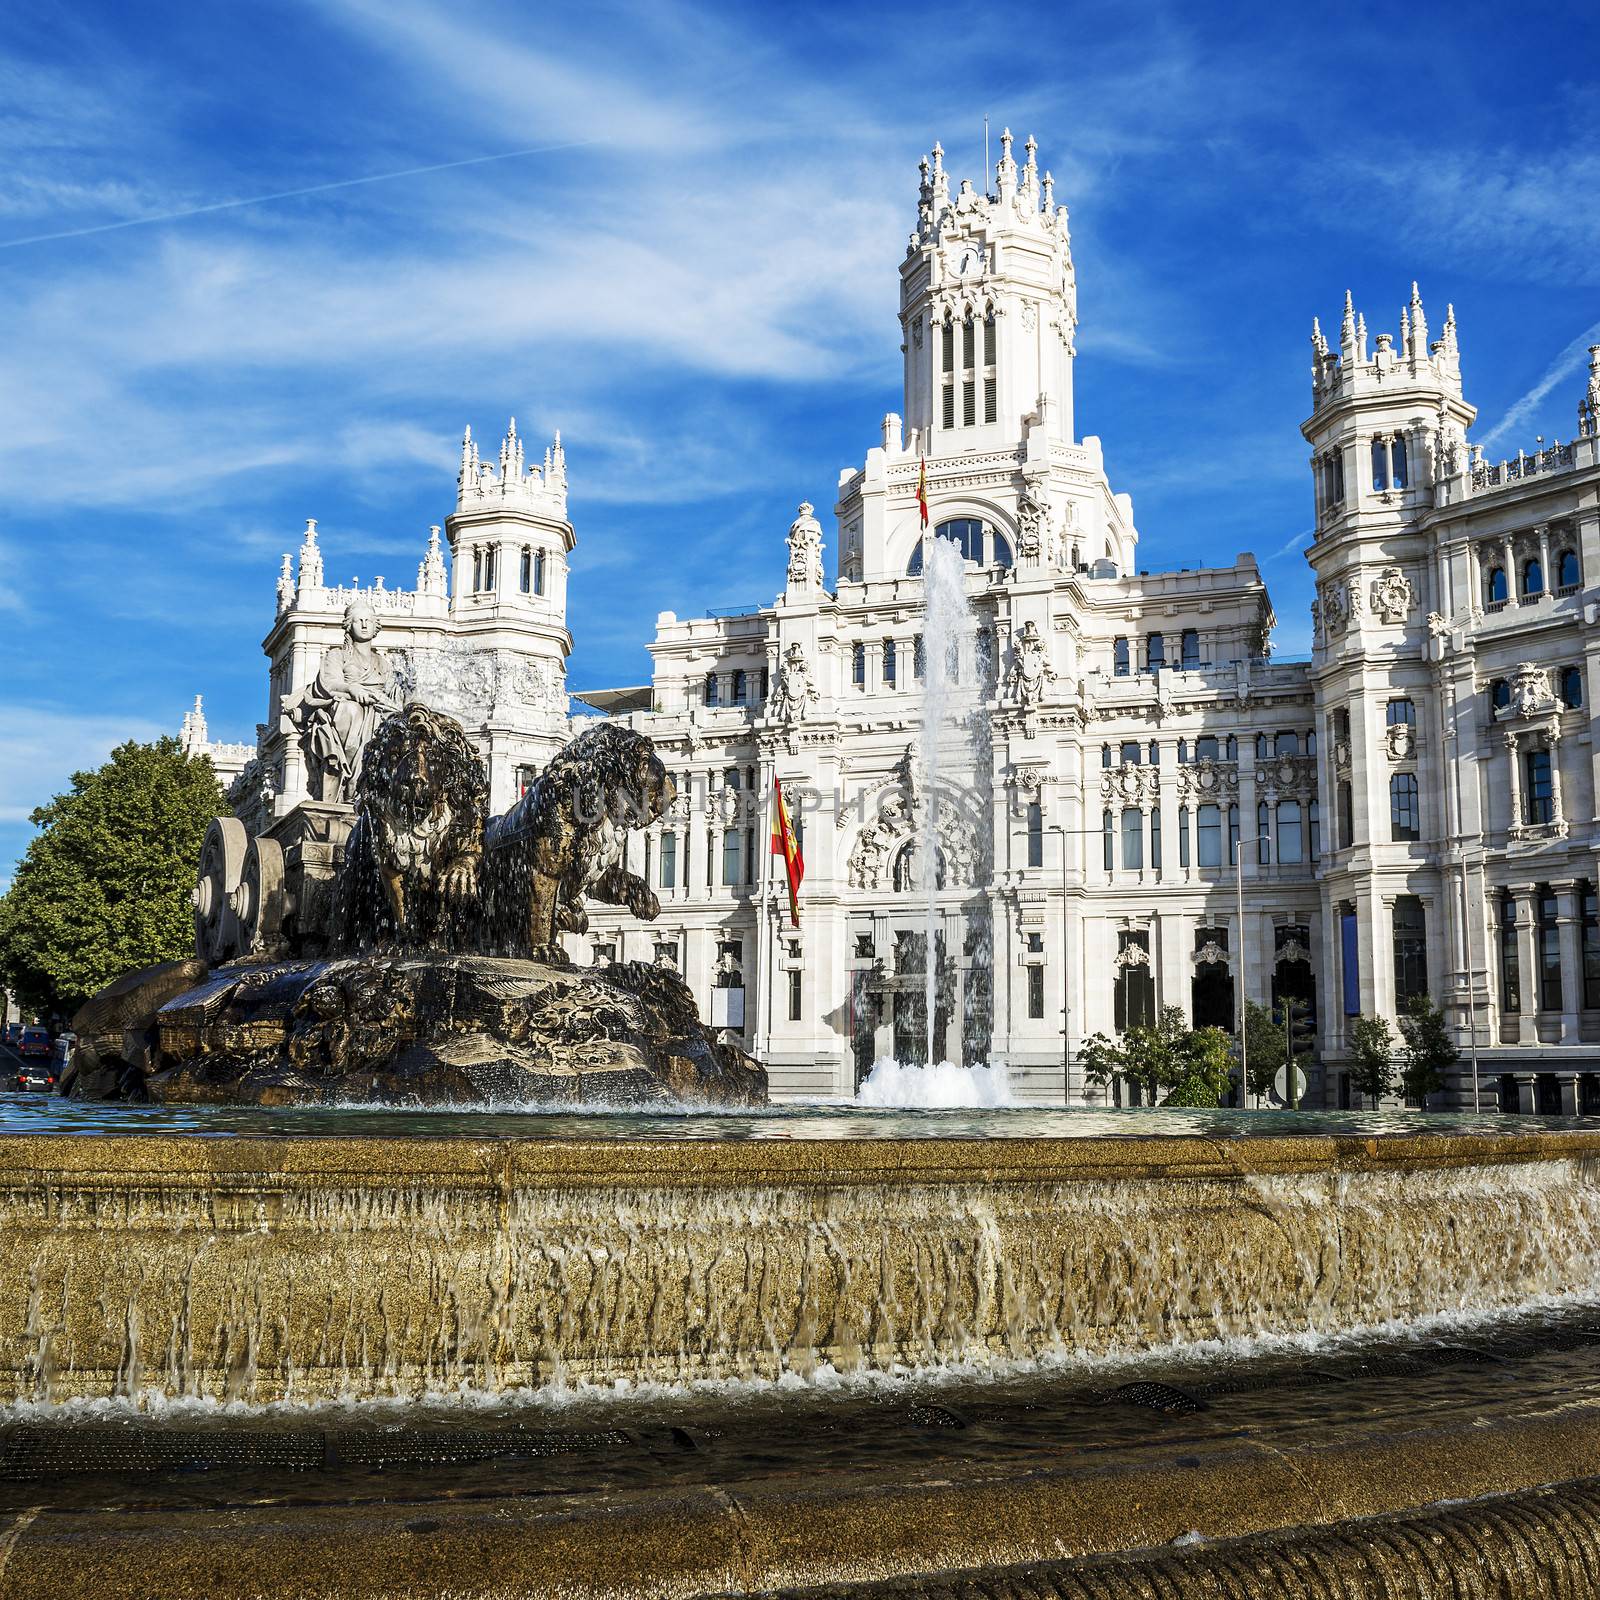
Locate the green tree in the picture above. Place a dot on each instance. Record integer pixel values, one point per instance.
(105, 885)
(1193, 1065)
(1429, 1051)
(1372, 1045)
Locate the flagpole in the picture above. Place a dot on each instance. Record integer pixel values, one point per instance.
(769, 954)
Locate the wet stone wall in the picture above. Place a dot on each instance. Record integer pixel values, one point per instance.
(262, 1270)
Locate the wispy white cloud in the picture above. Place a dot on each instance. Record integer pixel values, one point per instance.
(46, 744)
(1572, 360)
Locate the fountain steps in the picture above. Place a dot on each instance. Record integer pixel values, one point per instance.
(1487, 1503)
(260, 1270)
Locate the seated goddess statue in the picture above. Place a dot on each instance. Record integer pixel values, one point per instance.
(340, 709)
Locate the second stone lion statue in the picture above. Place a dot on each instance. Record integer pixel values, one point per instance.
(565, 839)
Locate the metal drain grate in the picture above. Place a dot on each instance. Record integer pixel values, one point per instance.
(1156, 1397)
(51, 1452)
(461, 1446)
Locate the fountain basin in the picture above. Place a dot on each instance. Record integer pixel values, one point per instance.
(314, 1268)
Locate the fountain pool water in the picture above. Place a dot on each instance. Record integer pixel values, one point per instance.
(940, 1087)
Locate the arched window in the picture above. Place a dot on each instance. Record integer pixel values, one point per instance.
(1191, 650)
(1287, 744)
(1154, 754)
(1398, 473)
(888, 662)
(1532, 578)
(1496, 593)
(1262, 750)
(477, 570)
(1572, 687)
(1119, 657)
(976, 540)
(1155, 652)
(713, 694)
(538, 571)
(1183, 752)
(1231, 748)
(1105, 755)
(1405, 821)
(1567, 570)
(858, 665)
(525, 576)
(1499, 694)
(1380, 463)
(989, 392)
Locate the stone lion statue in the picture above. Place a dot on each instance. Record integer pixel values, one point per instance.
(410, 873)
(565, 840)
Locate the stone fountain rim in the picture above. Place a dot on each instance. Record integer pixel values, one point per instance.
(509, 1160)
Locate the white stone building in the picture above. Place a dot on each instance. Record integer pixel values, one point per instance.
(1415, 806)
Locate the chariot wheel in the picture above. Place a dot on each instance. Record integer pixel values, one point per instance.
(216, 929)
(260, 901)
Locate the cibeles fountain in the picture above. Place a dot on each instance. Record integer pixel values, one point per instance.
(389, 941)
(316, 1222)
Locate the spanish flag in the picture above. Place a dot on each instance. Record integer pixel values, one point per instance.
(783, 844)
(922, 490)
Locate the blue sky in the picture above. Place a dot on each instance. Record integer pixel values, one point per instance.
(695, 280)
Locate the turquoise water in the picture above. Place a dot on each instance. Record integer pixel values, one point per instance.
(39, 1113)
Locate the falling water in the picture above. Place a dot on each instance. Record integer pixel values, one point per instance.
(950, 703)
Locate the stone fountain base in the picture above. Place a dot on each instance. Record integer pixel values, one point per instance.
(443, 1030)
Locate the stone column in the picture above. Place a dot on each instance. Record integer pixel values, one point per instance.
(1568, 929)
(1509, 556)
(1528, 965)
(1516, 784)
(1543, 531)
(1567, 1088)
(1558, 815)
(1527, 1099)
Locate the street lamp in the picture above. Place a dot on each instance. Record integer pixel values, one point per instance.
(1244, 945)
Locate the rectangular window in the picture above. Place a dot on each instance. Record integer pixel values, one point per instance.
(1347, 819)
(1589, 905)
(918, 665)
(1380, 464)
(949, 347)
(749, 855)
(989, 405)
(1191, 650)
(1537, 801)
(1035, 834)
(1404, 819)
(1134, 999)
(1349, 963)
(538, 571)
(1155, 839)
(1397, 462)
(669, 861)
(525, 578)
(488, 567)
(1549, 952)
(858, 665)
(1291, 843)
(1315, 813)
(794, 994)
(1233, 834)
(1132, 839)
(1183, 836)
(1398, 711)
(988, 340)
(1036, 992)
(968, 338)
(888, 662)
(969, 402)
(1108, 837)
(949, 405)
(732, 856)
(1410, 949)
(1128, 752)
(1209, 828)
(1510, 961)
(1119, 657)
(1286, 744)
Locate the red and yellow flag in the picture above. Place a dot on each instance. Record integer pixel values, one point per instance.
(783, 844)
(922, 490)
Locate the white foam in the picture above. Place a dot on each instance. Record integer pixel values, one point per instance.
(945, 1085)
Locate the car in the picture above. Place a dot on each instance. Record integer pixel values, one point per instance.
(34, 1042)
(37, 1075)
(12, 1035)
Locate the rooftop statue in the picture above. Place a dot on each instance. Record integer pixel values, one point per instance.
(339, 710)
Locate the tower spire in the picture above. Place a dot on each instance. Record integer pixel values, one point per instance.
(310, 558)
